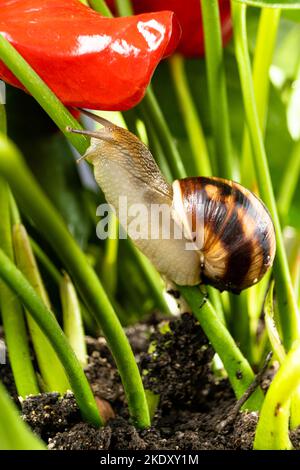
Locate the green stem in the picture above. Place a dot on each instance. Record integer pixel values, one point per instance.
(14, 433)
(45, 262)
(289, 315)
(36, 205)
(44, 96)
(237, 367)
(262, 60)
(46, 321)
(3, 120)
(190, 117)
(14, 210)
(255, 297)
(241, 329)
(223, 163)
(124, 8)
(41, 256)
(288, 184)
(215, 298)
(3, 123)
(101, 7)
(272, 432)
(12, 314)
(73, 326)
(52, 372)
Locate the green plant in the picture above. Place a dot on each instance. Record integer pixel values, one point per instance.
(223, 115)
(14, 433)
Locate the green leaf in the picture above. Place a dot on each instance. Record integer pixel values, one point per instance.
(286, 4)
(273, 334)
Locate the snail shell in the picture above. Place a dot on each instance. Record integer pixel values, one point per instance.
(237, 239)
(228, 235)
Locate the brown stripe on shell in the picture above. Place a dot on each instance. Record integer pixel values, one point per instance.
(240, 253)
(247, 207)
(263, 239)
(217, 211)
(190, 189)
(225, 235)
(264, 235)
(257, 255)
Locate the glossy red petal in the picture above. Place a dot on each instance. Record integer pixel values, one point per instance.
(87, 60)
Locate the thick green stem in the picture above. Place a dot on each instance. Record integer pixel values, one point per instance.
(262, 60)
(101, 7)
(272, 432)
(2, 117)
(12, 314)
(56, 276)
(44, 318)
(36, 205)
(124, 8)
(14, 433)
(240, 324)
(289, 315)
(237, 367)
(44, 96)
(223, 162)
(190, 117)
(215, 298)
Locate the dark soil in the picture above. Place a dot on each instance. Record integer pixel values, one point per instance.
(193, 403)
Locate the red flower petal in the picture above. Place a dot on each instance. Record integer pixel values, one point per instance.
(87, 60)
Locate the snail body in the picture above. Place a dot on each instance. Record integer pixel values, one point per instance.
(228, 235)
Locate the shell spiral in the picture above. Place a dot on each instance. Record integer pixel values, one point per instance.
(231, 227)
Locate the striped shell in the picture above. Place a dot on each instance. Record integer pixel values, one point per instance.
(231, 228)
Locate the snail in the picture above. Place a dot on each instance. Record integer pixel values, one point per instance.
(228, 235)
